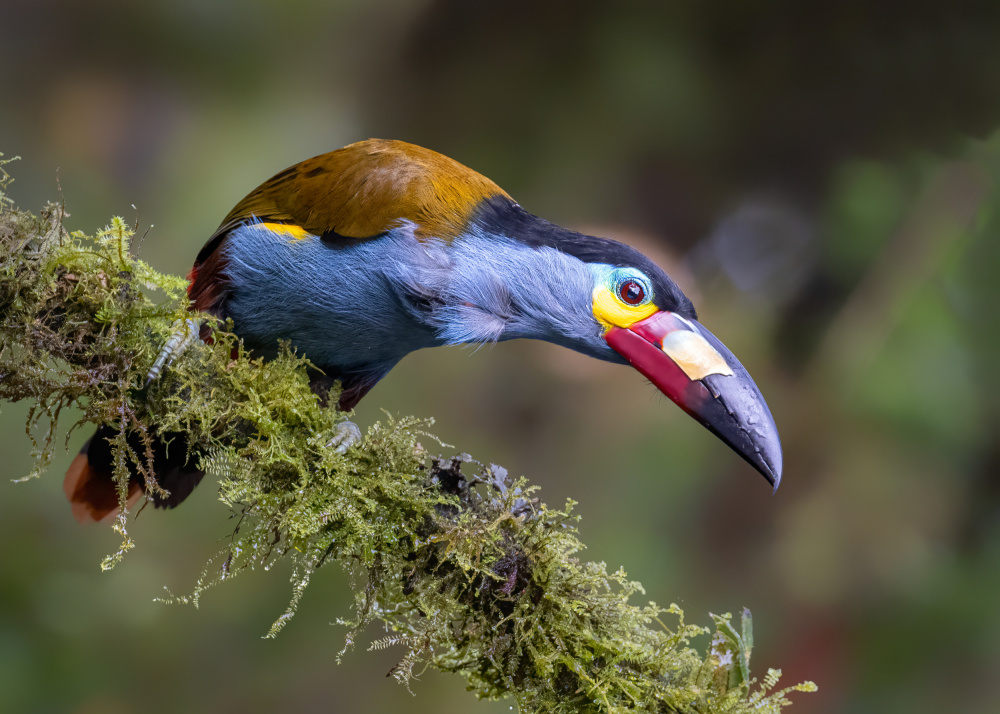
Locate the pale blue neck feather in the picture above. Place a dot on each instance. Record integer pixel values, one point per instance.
(501, 289)
(363, 306)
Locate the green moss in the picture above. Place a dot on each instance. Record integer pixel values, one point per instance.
(470, 571)
(5, 181)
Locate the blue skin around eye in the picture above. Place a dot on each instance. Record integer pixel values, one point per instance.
(613, 277)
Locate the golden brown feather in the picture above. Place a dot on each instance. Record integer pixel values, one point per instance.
(367, 188)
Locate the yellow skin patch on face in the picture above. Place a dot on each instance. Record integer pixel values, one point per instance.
(289, 229)
(694, 355)
(683, 344)
(612, 312)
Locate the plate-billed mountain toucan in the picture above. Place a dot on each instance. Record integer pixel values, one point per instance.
(365, 254)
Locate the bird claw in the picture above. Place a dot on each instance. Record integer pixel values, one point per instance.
(182, 334)
(345, 435)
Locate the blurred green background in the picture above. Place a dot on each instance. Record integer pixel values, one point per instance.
(823, 178)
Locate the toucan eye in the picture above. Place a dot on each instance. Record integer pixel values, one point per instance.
(631, 292)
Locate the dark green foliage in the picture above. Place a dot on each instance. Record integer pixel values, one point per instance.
(468, 569)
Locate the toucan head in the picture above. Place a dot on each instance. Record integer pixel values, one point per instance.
(660, 336)
(634, 313)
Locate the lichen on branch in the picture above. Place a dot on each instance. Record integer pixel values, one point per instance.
(467, 568)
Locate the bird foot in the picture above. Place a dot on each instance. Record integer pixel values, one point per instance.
(345, 435)
(182, 334)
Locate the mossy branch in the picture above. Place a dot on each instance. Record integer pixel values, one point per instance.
(467, 568)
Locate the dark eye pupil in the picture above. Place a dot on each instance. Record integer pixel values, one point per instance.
(631, 292)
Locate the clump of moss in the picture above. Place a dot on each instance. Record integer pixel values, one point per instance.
(469, 570)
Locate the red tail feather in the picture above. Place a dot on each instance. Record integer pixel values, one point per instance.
(93, 495)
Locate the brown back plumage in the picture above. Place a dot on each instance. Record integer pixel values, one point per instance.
(363, 190)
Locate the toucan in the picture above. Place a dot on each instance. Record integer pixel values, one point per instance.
(359, 256)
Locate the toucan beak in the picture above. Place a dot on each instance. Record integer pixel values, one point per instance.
(692, 367)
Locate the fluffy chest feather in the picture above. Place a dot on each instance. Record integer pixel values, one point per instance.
(339, 304)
